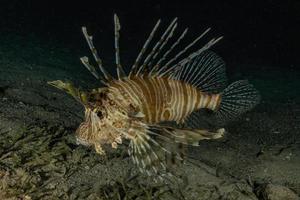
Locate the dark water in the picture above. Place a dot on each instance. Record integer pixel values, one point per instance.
(42, 41)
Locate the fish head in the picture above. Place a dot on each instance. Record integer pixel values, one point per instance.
(93, 130)
(98, 127)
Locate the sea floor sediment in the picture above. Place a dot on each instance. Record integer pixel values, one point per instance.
(39, 157)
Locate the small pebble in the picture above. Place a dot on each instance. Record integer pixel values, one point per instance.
(277, 192)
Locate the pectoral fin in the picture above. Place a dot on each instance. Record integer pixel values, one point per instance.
(158, 150)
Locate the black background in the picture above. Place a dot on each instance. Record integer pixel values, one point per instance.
(263, 32)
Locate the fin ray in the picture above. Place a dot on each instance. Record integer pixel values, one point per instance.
(156, 66)
(144, 48)
(168, 72)
(154, 52)
(184, 50)
(120, 70)
(89, 40)
(205, 72)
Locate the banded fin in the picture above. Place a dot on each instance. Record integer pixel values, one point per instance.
(157, 150)
(158, 46)
(165, 69)
(205, 72)
(120, 70)
(236, 99)
(89, 40)
(135, 66)
(149, 156)
(164, 56)
(85, 61)
(106, 76)
(160, 68)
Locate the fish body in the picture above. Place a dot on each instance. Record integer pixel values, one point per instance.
(161, 99)
(132, 107)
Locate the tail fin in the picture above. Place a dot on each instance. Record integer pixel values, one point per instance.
(237, 98)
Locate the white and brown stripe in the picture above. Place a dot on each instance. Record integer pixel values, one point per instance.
(161, 99)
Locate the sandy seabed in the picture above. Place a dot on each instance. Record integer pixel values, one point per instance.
(258, 159)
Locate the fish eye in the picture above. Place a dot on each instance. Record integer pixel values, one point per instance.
(101, 95)
(99, 114)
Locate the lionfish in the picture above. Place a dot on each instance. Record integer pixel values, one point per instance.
(157, 89)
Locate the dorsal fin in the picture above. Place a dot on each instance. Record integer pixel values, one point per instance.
(120, 70)
(135, 66)
(84, 60)
(206, 72)
(160, 68)
(158, 46)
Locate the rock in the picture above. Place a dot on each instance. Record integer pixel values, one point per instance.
(277, 192)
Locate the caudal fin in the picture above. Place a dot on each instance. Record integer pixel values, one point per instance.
(237, 98)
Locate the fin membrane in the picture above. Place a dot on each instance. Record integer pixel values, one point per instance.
(205, 72)
(237, 98)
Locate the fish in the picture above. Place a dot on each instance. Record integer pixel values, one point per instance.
(158, 88)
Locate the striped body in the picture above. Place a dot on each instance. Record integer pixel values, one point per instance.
(161, 99)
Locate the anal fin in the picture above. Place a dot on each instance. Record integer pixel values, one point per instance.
(193, 136)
